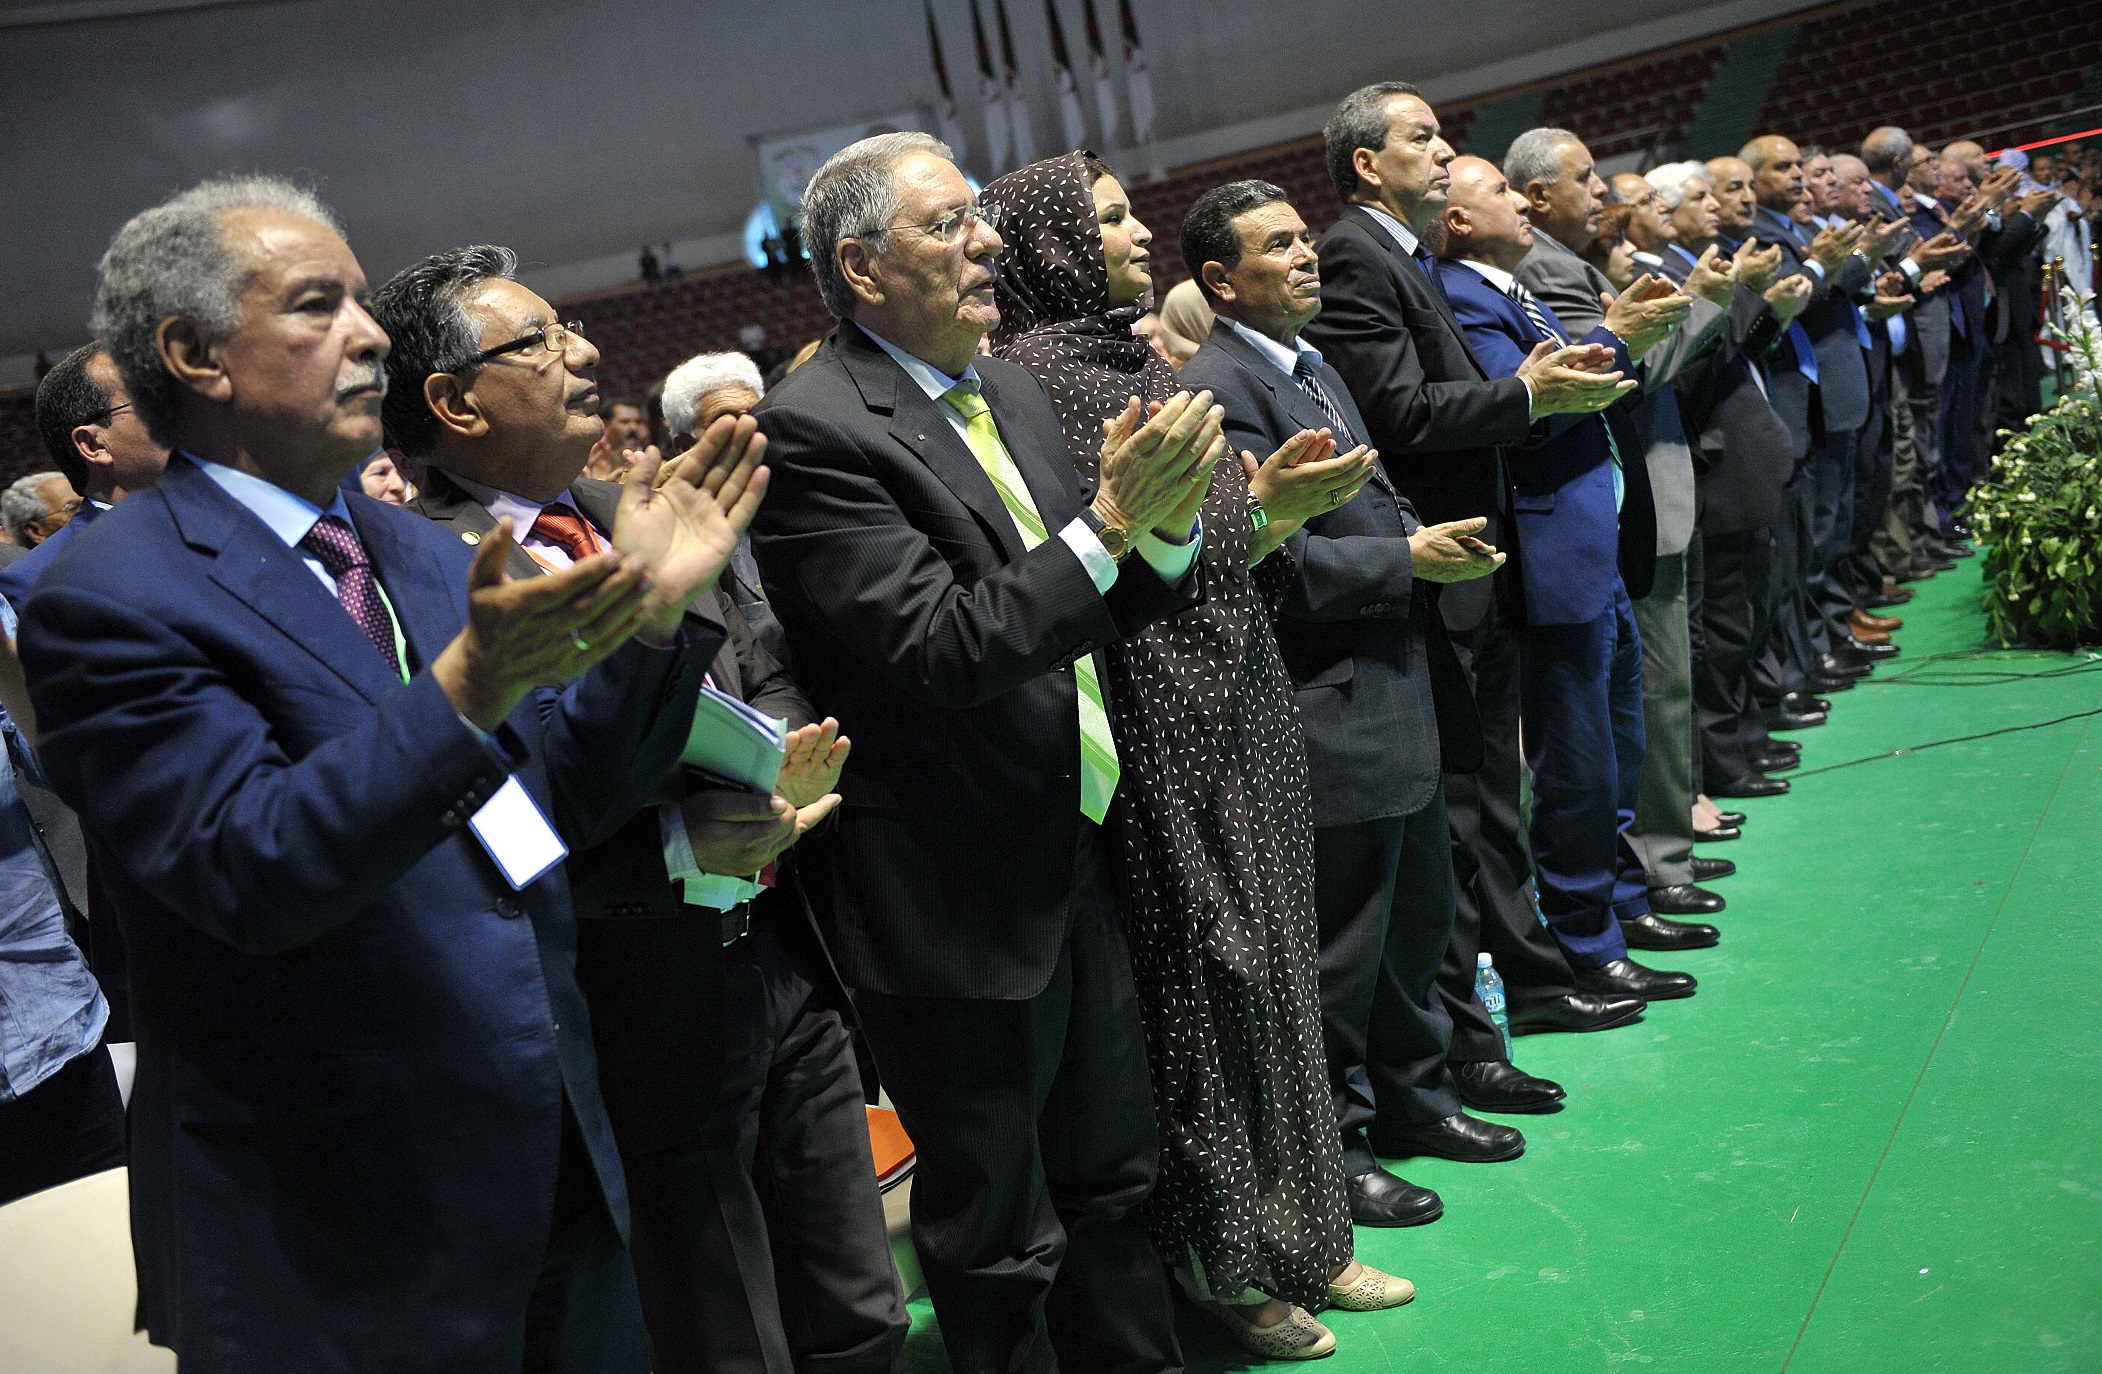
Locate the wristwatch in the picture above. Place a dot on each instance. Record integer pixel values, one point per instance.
(1258, 518)
(1115, 542)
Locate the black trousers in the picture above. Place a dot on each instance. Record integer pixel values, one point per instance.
(1492, 866)
(1729, 721)
(760, 1248)
(66, 1127)
(1033, 1121)
(1383, 895)
(583, 1317)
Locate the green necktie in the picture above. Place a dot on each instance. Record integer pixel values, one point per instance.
(1098, 750)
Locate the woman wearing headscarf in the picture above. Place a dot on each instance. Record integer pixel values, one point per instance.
(1214, 818)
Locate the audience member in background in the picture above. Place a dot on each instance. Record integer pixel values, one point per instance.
(1185, 322)
(366, 1116)
(626, 437)
(1386, 710)
(696, 394)
(37, 507)
(728, 1073)
(945, 585)
(61, 1113)
(91, 432)
(1580, 657)
(1215, 841)
(382, 479)
(1439, 422)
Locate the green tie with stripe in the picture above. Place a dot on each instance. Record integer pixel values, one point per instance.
(1098, 750)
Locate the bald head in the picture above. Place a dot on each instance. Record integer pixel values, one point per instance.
(1484, 218)
(1628, 188)
(1730, 182)
(1885, 152)
(1969, 155)
(1777, 171)
(1851, 196)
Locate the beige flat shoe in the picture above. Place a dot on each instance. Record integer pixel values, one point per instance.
(1370, 1291)
(1297, 1337)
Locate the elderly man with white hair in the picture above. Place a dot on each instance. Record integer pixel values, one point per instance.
(697, 393)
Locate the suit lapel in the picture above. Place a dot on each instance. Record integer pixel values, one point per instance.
(1052, 490)
(256, 568)
(443, 502)
(1298, 407)
(430, 605)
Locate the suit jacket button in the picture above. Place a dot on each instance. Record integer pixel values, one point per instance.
(449, 819)
(510, 908)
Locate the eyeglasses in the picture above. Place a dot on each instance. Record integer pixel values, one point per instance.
(951, 226)
(103, 417)
(553, 337)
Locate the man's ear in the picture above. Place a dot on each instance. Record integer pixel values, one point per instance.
(192, 358)
(1536, 195)
(1365, 162)
(858, 265)
(1221, 285)
(87, 442)
(456, 407)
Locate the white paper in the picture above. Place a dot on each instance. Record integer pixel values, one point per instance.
(734, 744)
(517, 836)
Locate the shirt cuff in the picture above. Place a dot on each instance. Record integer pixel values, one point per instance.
(1170, 561)
(1101, 568)
(720, 891)
(1814, 265)
(679, 863)
(1911, 270)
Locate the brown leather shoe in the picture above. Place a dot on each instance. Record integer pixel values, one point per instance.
(1893, 594)
(1863, 620)
(1870, 637)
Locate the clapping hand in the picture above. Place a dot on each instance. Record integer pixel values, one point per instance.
(1943, 251)
(535, 631)
(1884, 237)
(1450, 552)
(811, 759)
(1644, 315)
(1755, 266)
(1306, 476)
(1572, 379)
(1714, 277)
(1156, 468)
(1834, 244)
(737, 833)
(1788, 296)
(686, 526)
(1887, 304)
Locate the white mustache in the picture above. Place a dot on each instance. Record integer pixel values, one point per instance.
(366, 374)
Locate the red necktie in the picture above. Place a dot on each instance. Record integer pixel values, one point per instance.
(564, 528)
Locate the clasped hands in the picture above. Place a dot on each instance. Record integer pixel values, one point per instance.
(738, 833)
(1157, 464)
(670, 540)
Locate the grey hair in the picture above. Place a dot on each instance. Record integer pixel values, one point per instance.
(20, 504)
(855, 196)
(173, 261)
(1885, 148)
(1536, 155)
(693, 379)
(1671, 178)
(1359, 122)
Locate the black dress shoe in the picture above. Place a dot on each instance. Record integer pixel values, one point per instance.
(1576, 1012)
(1877, 601)
(1844, 665)
(1778, 762)
(1756, 785)
(1826, 682)
(1785, 746)
(1718, 835)
(1708, 870)
(1730, 818)
(1954, 548)
(1626, 978)
(1924, 568)
(1797, 720)
(1958, 529)
(1383, 1199)
(1867, 653)
(1651, 931)
(1497, 1085)
(1468, 1139)
(1682, 899)
(1803, 701)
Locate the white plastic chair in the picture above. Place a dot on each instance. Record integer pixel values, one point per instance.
(67, 1287)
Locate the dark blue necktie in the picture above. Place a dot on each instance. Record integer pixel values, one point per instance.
(1429, 265)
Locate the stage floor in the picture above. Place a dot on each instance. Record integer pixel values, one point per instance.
(1873, 1141)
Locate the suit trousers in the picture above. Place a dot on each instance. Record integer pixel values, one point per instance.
(1961, 462)
(66, 1127)
(1728, 719)
(1832, 533)
(1033, 1120)
(1787, 655)
(1581, 688)
(1858, 573)
(1383, 896)
(1696, 648)
(1915, 411)
(761, 1248)
(584, 1316)
(1493, 908)
(1662, 835)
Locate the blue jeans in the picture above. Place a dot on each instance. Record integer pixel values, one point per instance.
(1581, 691)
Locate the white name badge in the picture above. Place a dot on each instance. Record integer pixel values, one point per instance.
(517, 836)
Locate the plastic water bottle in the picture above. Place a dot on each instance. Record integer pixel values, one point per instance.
(1489, 991)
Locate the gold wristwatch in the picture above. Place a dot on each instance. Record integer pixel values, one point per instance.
(1115, 542)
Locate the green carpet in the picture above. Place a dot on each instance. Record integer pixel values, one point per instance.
(1873, 1141)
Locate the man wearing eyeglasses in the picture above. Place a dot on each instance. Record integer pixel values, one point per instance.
(728, 1071)
(945, 584)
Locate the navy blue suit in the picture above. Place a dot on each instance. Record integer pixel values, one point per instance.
(1580, 660)
(361, 1054)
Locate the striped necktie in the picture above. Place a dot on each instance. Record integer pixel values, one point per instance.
(1098, 748)
(1338, 427)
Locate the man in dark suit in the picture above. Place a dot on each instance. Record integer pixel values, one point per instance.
(944, 586)
(1580, 657)
(1440, 423)
(673, 963)
(1358, 632)
(321, 737)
